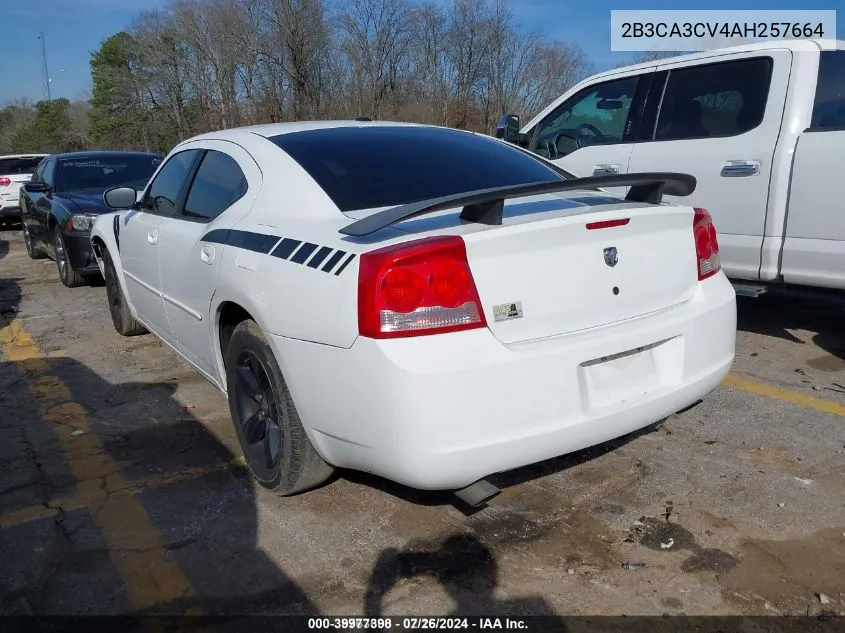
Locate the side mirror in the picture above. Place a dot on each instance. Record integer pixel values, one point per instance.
(36, 187)
(120, 197)
(507, 128)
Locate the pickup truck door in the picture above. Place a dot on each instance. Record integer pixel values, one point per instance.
(140, 237)
(719, 120)
(592, 132)
(814, 244)
(191, 245)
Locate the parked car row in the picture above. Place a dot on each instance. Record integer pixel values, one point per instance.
(435, 306)
(64, 195)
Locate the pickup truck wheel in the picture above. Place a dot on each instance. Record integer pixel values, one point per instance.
(122, 319)
(274, 443)
(67, 274)
(33, 252)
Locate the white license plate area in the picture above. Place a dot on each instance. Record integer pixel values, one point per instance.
(616, 379)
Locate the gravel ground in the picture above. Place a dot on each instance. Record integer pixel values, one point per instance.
(122, 491)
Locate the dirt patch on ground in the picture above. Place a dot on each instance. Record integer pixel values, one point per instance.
(789, 573)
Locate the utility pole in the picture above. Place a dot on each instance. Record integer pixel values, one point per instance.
(44, 58)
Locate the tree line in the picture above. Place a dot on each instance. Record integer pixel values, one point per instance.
(200, 65)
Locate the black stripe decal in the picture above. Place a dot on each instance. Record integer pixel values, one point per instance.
(303, 253)
(333, 261)
(319, 257)
(217, 236)
(345, 264)
(295, 251)
(285, 248)
(258, 242)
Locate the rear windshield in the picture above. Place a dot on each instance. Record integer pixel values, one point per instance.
(829, 107)
(10, 166)
(371, 167)
(104, 172)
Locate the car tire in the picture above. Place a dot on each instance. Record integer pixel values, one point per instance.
(124, 323)
(31, 250)
(67, 274)
(275, 446)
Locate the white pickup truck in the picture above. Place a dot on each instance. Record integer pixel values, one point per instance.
(760, 126)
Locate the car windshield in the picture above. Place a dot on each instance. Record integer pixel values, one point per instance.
(104, 172)
(373, 167)
(13, 166)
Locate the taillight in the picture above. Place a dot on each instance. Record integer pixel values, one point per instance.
(418, 287)
(706, 244)
(5, 182)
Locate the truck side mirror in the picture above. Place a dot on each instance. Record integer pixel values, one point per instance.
(507, 129)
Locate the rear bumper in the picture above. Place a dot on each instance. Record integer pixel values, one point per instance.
(79, 253)
(442, 412)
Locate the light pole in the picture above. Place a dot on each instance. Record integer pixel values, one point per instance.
(44, 58)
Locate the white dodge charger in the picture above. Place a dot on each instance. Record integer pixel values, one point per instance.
(430, 305)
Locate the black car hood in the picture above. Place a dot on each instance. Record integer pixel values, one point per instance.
(87, 201)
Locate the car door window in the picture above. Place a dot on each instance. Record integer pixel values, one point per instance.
(218, 184)
(598, 115)
(714, 100)
(47, 174)
(829, 105)
(165, 191)
(39, 171)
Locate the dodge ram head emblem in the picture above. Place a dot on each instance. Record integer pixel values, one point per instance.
(610, 256)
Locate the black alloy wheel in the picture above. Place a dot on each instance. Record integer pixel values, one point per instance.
(259, 416)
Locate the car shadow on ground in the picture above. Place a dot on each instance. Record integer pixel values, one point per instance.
(501, 480)
(206, 520)
(775, 313)
(462, 565)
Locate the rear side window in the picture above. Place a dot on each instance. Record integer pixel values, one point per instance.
(12, 166)
(715, 100)
(371, 167)
(829, 106)
(219, 183)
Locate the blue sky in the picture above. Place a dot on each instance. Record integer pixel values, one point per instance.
(74, 28)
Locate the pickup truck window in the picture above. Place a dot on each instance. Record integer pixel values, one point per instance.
(597, 115)
(714, 100)
(829, 106)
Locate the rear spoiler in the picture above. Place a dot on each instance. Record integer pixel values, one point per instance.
(484, 206)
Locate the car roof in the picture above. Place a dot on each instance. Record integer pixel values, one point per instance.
(805, 45)
(35, 155)
(268, 130)
(102, 153)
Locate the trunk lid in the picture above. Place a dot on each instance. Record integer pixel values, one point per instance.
(542, 273)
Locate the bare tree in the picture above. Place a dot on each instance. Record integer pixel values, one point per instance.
(376, 37)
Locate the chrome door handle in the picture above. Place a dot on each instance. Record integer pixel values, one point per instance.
(152, 236)
(207, 254)
(734, 168)
(606, 170)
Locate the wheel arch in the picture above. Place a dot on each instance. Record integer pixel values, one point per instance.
(104, 237)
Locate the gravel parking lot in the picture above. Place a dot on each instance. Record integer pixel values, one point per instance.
(122, 491)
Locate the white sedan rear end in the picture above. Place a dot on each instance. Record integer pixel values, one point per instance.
(429, 305)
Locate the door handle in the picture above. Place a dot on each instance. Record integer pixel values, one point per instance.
(152, 236)
(734, 168)
(606, 170)
(207, 254)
